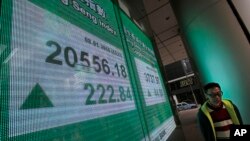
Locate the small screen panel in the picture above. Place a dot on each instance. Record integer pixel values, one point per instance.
(153, 95)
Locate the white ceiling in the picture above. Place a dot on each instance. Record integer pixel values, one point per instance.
(158, 18)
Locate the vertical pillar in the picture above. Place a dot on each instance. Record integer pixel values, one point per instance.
(218, 46)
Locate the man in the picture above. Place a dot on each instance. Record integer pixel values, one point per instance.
(216, 115)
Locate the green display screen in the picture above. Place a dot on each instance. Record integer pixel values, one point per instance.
(156, 106)
(65, 75)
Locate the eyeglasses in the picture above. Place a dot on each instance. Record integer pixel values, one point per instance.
(213, 95)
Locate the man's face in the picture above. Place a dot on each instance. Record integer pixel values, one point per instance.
(214, 95)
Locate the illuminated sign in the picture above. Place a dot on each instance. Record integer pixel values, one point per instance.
(88, 73)
(67, 74)
(63, 74)
(157, 111)
(186, 82)
(149, 78)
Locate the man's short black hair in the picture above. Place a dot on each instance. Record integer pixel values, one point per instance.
(211, 85)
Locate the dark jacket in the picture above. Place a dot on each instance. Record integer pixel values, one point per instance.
(205, 121)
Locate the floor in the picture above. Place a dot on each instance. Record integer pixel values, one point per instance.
(188, 130)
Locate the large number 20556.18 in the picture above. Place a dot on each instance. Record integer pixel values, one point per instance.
(124, 94)
(99, 64)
